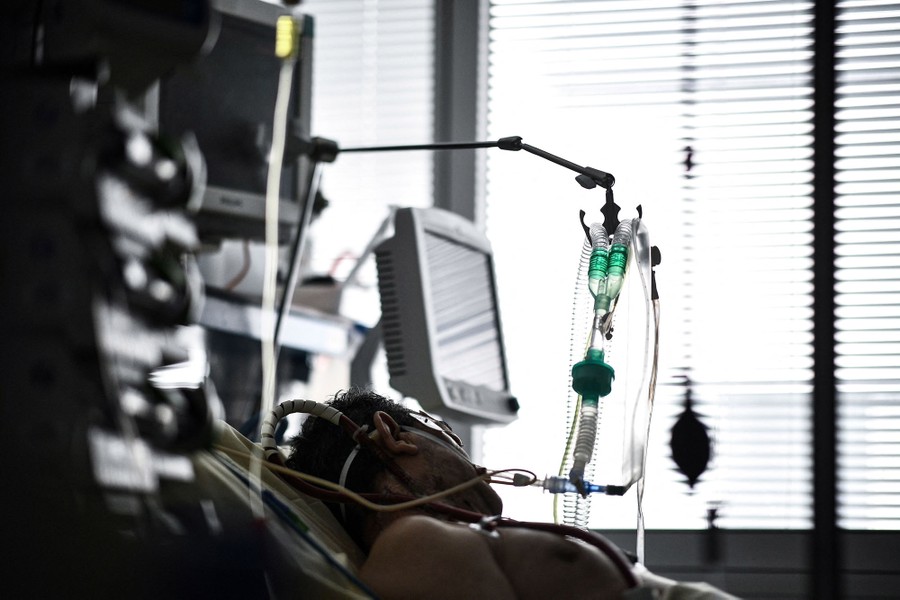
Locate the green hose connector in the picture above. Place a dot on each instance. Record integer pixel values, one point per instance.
(597, 270)
(618, 260)
(592, 377)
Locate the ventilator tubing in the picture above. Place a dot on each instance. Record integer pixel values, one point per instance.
(613, 422)
(584, 446)
(575, 508)
(618, 262)
(592, 379)
(270, 423)
(599, 261)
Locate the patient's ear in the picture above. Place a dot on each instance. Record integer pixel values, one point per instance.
(389, 435)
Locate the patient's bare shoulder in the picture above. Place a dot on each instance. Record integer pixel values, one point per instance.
(422, 557)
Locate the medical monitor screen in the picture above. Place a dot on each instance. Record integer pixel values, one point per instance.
(439, 317)
(465, 313)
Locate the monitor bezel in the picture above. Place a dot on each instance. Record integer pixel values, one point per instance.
(409, 324)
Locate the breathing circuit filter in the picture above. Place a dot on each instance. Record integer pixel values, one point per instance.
(591, 379)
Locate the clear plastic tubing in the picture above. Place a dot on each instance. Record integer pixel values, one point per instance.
(597, 284)
(618, 259)
(587, 436)
(597, 276)
(599, 265)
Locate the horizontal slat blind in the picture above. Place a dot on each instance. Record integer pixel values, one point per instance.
(749, 225)
(868, 264)
(636, 88)
(373, 85)
(598, 83)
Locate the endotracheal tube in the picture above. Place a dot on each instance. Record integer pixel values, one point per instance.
(592, 377)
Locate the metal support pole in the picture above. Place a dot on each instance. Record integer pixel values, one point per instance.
(826, 541)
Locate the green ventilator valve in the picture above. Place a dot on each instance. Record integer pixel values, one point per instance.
(592, 377)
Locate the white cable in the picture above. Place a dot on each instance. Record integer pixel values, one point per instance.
(270, 268)
(654, 370)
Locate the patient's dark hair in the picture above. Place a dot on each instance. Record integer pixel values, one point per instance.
(321, 448)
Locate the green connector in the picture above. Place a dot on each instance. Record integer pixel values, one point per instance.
(597, 271)
(592, 377)
(618, 261)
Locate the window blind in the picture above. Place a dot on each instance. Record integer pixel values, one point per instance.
(702, 111)
(868, 263)
(629, 86)
(373, 75)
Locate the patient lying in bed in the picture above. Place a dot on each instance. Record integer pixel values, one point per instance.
(418, 553)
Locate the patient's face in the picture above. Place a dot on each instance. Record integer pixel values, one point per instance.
(437, 467)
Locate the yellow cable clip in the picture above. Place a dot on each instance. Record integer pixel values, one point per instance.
(287, 37)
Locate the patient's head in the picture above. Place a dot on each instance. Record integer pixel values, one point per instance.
(421, 446)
